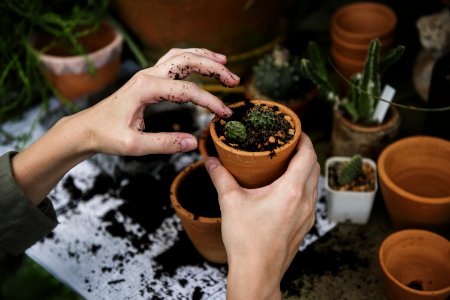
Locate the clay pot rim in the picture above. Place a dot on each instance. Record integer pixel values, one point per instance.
(174, 198)
(394, 116)
(333, 159)
(408, 232)
(386, 42)
(354, 63)
(76, 59)
(282, 107)
(391, 20)
(391, 185)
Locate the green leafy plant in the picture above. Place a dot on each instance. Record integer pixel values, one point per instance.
(277, 75)
(22, 82)
(350, 170)
(365, 87)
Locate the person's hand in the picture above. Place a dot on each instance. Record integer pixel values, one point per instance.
(263, 228)
(116, 124)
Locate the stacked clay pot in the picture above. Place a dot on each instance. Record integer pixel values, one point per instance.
(353, 26)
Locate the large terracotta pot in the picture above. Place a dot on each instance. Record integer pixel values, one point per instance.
(414, 175)
(204, 232)
(257, 169)
(415, 265)
(348, 138)
(69, 73)
(242, 30)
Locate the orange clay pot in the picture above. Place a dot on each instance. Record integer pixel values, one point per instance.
(257, 169)
(204, 233)
(414, 175)
(348, 138)
(359, 23)
(415, 265)
(69, 73)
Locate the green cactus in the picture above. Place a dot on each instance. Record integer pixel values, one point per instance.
(365, 87)
(350, 170)
(277, 75)
(235, 131)
(261, 117)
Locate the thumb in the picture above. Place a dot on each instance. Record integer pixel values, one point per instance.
(222, 179)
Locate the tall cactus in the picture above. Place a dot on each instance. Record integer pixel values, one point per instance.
(365, 87)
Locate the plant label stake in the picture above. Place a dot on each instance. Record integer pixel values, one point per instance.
(383, 104)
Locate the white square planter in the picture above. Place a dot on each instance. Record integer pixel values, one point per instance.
(352, 207)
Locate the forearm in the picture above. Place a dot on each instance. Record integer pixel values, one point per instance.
(38, 168)
(251, 280)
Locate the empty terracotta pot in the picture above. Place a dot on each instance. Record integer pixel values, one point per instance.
(415, 265)
(257, 169)
(414, 175)
(203, 231)
(359, 23)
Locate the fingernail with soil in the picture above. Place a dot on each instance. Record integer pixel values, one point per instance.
(188, 144)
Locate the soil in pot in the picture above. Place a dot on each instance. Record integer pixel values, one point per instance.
(198, 186)
(264, 138)
(365, 182)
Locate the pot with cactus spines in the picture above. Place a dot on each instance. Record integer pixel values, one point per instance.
(351, 185)
(257, 142)
(355, 130)
(277, 77)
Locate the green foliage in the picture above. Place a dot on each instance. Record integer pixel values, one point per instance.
(350, 170)
(22, 82)
(365, 87)
(261, 117)
(235, 131)
(278, 76)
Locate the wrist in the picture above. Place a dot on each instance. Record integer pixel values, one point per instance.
(253, 279)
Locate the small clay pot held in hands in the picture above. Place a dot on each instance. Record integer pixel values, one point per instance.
(195, 201)
(257, 169)
(415, 265)
(414, 175)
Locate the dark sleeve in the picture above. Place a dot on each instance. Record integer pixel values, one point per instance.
(21, 223)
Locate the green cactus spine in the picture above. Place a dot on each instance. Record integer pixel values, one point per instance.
(261, 117)
(350, 170)
(235, 131)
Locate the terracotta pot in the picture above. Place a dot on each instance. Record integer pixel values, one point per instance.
(206, 145)
(257, 169)
(349, 206)
(348, 138)
(356, 51)
(235, 28)
(204, 232)
(414, 175)
(359, 23)
(415, 265)
(69, 74)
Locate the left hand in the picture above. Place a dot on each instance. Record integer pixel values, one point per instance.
(115, 125)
